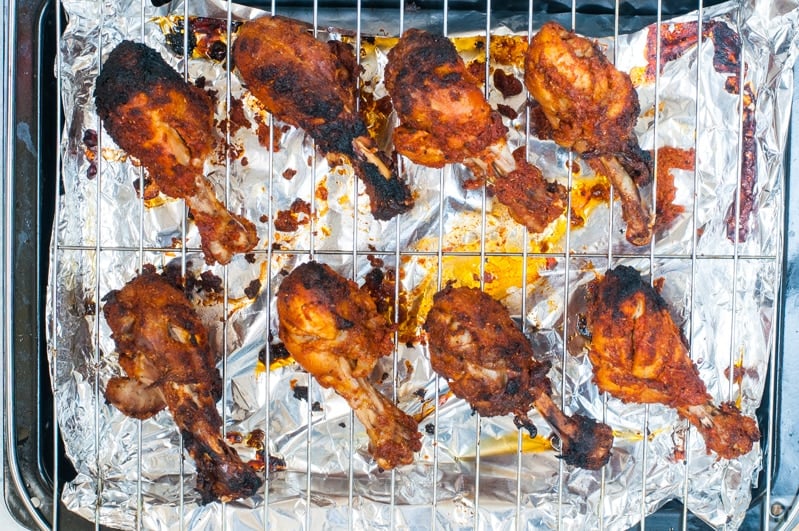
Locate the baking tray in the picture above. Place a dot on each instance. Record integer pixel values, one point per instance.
(35, 468)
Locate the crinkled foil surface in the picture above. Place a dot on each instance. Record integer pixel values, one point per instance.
(723, 296)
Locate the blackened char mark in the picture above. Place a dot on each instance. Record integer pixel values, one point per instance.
(676, 39)
(217, 472)
(207, 37)
(388, 196)
(746, 193)
(727, 54)
(621, 284)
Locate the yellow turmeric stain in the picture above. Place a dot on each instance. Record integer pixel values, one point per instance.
(461, 248)
(157, 201)
(508, 444)
(260, 367)
(638, 436)
(737, 376)
(638, 75)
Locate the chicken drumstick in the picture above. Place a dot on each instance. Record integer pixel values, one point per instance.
(334, 331)
(639, 355)
(443, 113)
(489, 362)
(591, 107)
(446, 119)
(153, 114)
(163, 349)
(311, 85)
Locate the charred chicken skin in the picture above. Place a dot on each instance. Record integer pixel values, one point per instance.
(591, 107)
(163, 349)
(333, 330)
(311, 84)
(166, 123)
(639, 355)
(444, 118)
(488, 362)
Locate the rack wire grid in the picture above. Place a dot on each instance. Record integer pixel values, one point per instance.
(37, 500)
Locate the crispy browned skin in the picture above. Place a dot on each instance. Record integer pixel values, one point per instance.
(311, 85)
(489, 362)
(639, 355)
(445, 118)
(163, 349)
(334, 331)
(591, 108)
(166, 123)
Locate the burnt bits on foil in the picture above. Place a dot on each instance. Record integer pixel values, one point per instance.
(717, 263)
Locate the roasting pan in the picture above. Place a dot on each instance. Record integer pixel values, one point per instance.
(35, 468)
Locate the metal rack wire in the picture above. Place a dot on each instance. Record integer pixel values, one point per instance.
(45, 519)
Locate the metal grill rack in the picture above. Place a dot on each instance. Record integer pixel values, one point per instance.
(36, 468)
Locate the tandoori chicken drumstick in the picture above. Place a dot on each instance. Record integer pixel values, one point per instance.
(166, 123)
(591, 107)
(163, 349)
(639, 355)
(312, 85)
(333, 330)
(488, 361)
(445, 118)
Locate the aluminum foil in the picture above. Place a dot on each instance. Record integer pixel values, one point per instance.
(472, 472)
